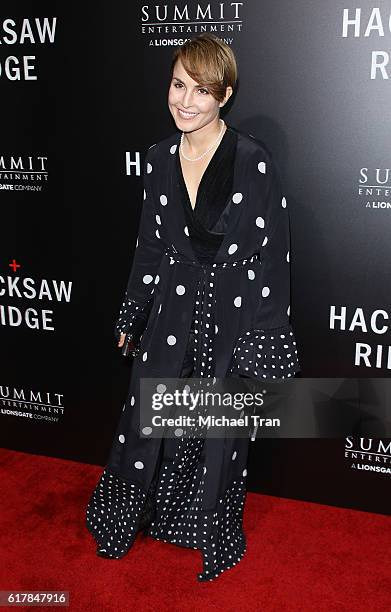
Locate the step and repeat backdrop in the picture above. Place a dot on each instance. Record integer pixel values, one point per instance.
(83, 95)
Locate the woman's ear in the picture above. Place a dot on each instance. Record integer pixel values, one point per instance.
(228, 94)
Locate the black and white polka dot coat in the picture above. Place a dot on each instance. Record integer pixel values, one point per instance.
(241, 303)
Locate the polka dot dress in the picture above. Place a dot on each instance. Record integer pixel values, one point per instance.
(181, 519)
(113, 513)
(223, 270)
(130, 315)
(266, 354)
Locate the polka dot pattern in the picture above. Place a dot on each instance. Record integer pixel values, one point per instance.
(112, 514)
(268, 353)
(204, 308)
(180, 519)
(129, 316)
(180, 489)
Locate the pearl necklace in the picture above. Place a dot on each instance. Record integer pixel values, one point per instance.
(207, 151)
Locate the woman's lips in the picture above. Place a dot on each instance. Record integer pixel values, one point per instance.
(186, 116)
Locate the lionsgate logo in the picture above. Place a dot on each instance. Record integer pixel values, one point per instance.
(172, 23)
(22, 403)
(368, 454)
(23, 172)
(374, 187)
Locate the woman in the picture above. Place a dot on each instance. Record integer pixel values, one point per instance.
(212, 267)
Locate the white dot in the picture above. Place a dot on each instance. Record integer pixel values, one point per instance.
(145, 194)
(178, 432)
(157, 234)
(237, 197)
(146, 431)
(186, 230)
(139, 465)
(161, 388)
(251, 274)
(264, 241)
(288, 312)
(260, 222)
(180, 289)
(262, 167)
(216, 329)
(232, 248)
(234, 455)
(171, 340)
(287, 256)
(157, 278)
(265, 291)
(205, 470)
(173, 149)
(163, 200)
(147, 279)
(238, 301)
(145, 356)
(121, 438)
(283, 202)
(244, 472)
(149, 168)
(158, 220)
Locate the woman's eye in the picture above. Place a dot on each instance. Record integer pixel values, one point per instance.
(202, 90)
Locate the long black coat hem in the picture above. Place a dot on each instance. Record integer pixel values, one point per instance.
(115, 510)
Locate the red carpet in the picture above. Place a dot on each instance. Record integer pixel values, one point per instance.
(301, 556)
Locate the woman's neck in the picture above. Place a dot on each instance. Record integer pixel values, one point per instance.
(200, 140)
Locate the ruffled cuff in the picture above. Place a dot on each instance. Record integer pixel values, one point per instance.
(132, 313)
(266, 353)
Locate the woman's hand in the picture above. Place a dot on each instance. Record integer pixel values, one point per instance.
(121, 340)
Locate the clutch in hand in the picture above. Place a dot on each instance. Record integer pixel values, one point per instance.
(129, 346)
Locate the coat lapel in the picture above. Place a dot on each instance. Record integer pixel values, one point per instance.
(174, 213)
(239, 186)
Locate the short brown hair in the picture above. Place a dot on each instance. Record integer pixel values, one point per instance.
(209, 61)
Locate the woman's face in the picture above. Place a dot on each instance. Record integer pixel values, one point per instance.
(185, 94)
